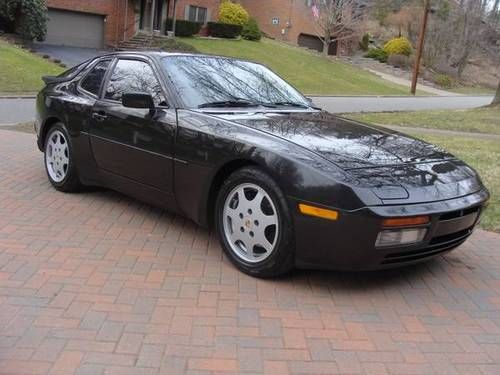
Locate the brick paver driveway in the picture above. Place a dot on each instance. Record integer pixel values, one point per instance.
(98, 283)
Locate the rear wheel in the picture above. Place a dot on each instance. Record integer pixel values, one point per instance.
(254, 224)
(59, 161)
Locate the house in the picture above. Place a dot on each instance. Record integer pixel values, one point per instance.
(288, 20)
(293, 21)
(100, 23)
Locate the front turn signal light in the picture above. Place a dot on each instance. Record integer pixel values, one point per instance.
(323, 213)
(405, 221)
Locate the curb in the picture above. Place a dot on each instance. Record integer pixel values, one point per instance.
(17, 96)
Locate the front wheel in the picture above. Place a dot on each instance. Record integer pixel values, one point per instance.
(254, 224)
(59, 161)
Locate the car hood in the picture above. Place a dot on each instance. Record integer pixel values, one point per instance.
(394, 166)
(348, 144)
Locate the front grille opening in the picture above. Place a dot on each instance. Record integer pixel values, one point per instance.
(450, 237)
(437, 246)
(458, 213)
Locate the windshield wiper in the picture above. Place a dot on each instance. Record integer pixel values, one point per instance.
(230, 103)
(291, 104)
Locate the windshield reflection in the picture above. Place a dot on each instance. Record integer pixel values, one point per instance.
(203, 79)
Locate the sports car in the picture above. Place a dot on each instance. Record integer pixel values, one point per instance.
(230, 145)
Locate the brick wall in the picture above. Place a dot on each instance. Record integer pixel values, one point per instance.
(211, 5)
(294, 17)
(113, 10)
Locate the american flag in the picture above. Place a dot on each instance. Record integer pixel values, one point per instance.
(315, 11)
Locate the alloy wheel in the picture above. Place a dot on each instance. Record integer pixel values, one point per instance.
(250, 222)
(57, 156)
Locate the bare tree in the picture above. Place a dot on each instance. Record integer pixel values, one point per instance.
(495, 13)
(336, 20)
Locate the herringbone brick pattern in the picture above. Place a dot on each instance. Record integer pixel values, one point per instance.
(96, 283)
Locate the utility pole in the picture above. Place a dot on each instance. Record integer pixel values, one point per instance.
(420, 47)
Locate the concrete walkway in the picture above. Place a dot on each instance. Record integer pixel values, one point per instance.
(407, 83)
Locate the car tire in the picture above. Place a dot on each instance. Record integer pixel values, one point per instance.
(255, 231)
(59, 160)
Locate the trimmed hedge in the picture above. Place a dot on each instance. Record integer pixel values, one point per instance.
(251, 30)
(224, 30)
(183, 27)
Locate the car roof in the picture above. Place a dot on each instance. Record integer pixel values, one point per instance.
(159, 54)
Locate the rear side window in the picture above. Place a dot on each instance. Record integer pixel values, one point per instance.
(93, 80)
(71, 72)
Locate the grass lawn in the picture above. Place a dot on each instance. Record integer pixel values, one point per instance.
(21, 71)
(484, 156)
(480, 120)
(309, 72)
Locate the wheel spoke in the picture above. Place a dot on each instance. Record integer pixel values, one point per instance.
(268, 220)
(261, 240)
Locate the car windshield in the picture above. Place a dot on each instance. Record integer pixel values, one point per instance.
(204, 81)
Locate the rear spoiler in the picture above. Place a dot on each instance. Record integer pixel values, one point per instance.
(53, 79)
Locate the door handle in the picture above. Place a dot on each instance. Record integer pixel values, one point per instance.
(99, 116)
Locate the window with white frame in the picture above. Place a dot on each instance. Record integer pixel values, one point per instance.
(197, 14)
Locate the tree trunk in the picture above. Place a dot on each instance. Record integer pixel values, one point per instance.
(496, 99)
(326, 44)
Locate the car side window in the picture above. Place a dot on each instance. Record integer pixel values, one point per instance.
(93, 80)
(134, 76)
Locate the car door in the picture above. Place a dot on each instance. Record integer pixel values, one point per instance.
(134, 143)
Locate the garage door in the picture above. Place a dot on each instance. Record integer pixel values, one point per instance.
(313, 42)
(75, 29)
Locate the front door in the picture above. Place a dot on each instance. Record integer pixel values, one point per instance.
(151, 12)
(135, 144)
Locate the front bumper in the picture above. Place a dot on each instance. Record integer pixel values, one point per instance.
(349, 242)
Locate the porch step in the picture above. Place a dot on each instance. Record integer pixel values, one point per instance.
(139, 42)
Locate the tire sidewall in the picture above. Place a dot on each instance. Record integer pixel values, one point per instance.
(70, 172)
(272, 265)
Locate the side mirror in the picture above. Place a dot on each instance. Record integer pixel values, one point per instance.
(309, 100)
(138, 100)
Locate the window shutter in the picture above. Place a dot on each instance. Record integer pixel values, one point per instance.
(186, 12)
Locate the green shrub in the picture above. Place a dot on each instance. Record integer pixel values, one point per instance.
(28, 18)
(365, 42)
(377, 54)
(398, 46)
(183, 28)
(444, 80)
(223, 30)
(400, 61)
(251, 30)
(174, 45)
(233, 14)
